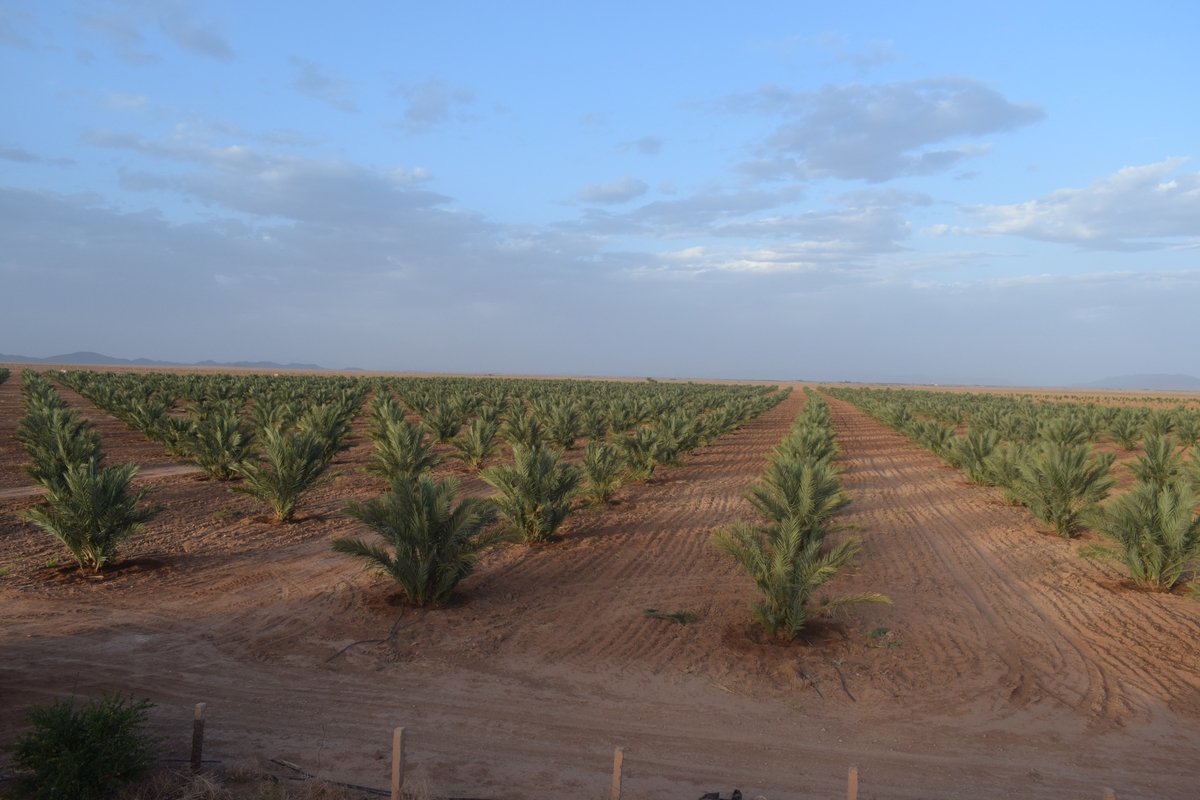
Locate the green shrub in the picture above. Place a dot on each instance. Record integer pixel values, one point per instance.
(93, 512)
(86, 753)
(434, 543)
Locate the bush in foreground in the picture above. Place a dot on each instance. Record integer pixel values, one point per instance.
(85, 753)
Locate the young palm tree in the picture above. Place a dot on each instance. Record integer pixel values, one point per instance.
(970, 453)
(1003, 468)
(55, 439)
(384, 410)
(806, 492)
(535, 493)
(1125, 429)
(935, 437)
(444, 420)
(602, 467)
(1061, 485)
(330, 423)
(595, 424)
(430, 543)
(563, 424)
(1187, 427)
(1160, 422)
(808, 441)
(522, 430)
(92, 512)
(272, 413)
(294, 463)
(639, 449)
(403, 453)
(477, 445)
(1160, 462)
(1156, 531)
(788, 566)
(219, 444)
(1064, 431)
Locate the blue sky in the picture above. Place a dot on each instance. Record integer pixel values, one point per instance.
(925, 191)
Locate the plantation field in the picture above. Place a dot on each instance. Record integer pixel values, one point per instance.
(1007, 665)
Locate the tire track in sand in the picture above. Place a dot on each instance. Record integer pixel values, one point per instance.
(1037, 607)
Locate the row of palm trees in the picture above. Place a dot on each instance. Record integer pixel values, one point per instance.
(786, 554)
(89, 506)
(1052, 468)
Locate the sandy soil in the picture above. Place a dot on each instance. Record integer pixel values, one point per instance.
(1010, 667)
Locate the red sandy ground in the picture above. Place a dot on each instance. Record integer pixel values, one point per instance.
(1012, 667)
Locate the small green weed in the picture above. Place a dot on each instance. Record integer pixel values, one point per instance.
(228, 514)
(685, 617)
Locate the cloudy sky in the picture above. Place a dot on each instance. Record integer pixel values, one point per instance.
(916, 191)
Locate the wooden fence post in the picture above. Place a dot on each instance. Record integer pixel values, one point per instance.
(397, 762)
(852, 784)
(198, 736)
(618, 758)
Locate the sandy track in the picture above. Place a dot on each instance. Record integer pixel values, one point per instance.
(1014, 671)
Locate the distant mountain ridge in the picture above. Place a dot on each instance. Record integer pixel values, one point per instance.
(86, 358)
(1152, 382)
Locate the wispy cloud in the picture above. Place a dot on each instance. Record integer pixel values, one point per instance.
(619, 191)
(312, 81)
(432, 103)
(878, 132)
(121, 23)
(23, 156)
(647, 146)
(9, 35)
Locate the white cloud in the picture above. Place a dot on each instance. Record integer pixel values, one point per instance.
(878, 132)
(619, 191)
(1135, 208)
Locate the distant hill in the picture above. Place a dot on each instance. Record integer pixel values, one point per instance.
(89, 359)
(1161, 383)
